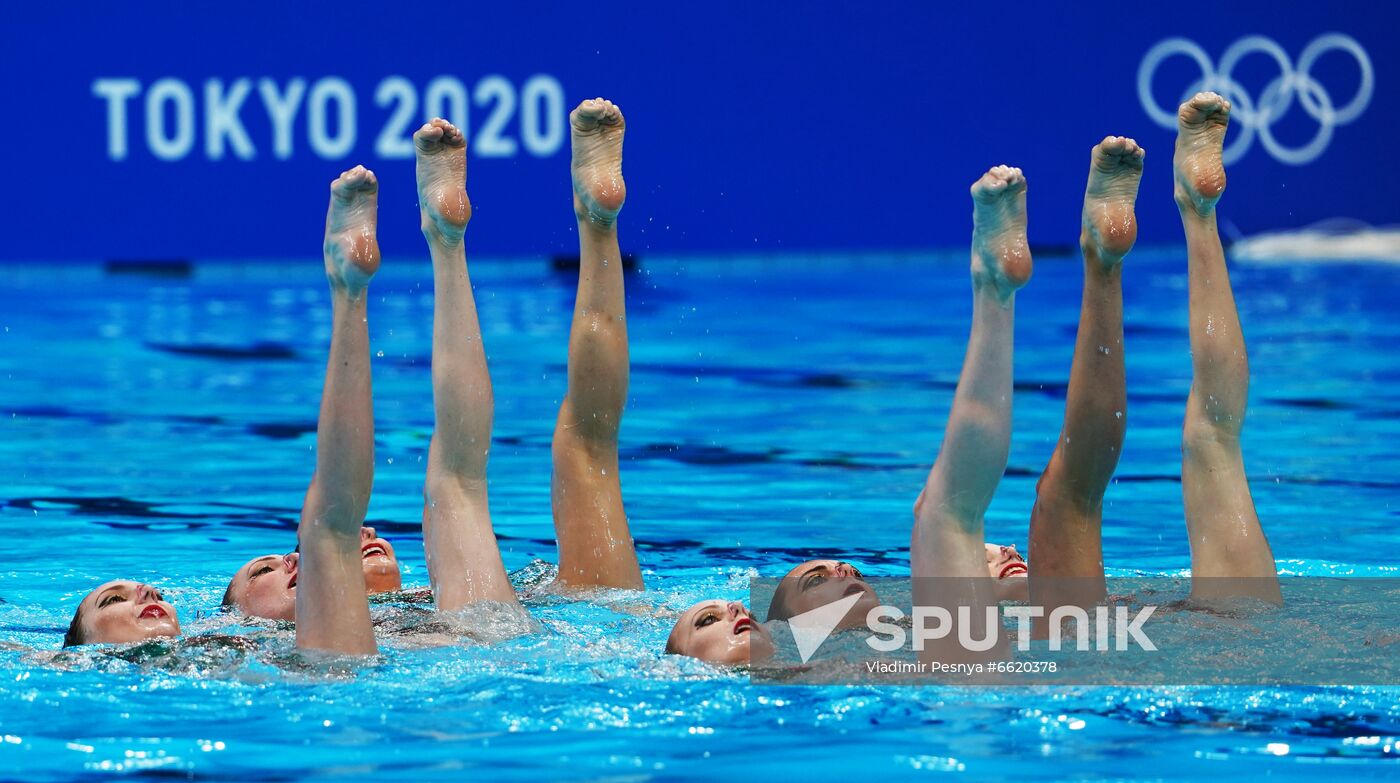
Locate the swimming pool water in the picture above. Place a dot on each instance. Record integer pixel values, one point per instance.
(161, 429)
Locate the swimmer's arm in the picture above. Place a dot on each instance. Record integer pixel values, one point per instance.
(332, 610)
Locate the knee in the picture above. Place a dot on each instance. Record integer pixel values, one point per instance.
(598, 328)
(1203, 439)
(1197, 432)
(446, 487)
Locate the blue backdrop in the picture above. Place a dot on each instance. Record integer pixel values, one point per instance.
(141, 130)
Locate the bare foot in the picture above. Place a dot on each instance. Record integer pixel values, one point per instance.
(1200, 172)
(1001, 255)
(1110, 227)
(351, 249)
(597, 161)
(441, 152)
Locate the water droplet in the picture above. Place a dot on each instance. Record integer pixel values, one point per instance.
(1105, 350)
(1118, 414)
(380, 354)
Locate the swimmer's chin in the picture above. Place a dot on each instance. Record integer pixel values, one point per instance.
(1013, 588)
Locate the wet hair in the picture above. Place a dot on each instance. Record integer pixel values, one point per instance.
(228, 603)
(77, 635)
(778, 608)
(673, 639)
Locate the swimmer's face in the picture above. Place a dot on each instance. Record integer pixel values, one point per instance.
(1004, 562)
(381, 566)
(266, 586)
(817, 583)
(1006, 565)
(720, 632)
(123, 611)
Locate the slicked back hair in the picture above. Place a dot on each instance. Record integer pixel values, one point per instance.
(76, 635)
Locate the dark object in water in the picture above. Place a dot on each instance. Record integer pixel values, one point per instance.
(1043, 251)
(149, 267)
(282, 430)
(207, 351)
(570, 262)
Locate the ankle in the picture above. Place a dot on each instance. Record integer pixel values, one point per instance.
(347, 292)
(986, 282)
(1193, 205)
(593, 219)
(1097, 261)
(595, 224)
(436, 235)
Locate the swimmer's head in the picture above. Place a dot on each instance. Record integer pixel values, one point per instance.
(266, 586)
(121, 611)
(1006, 565)
(720, 632)
(817, 583)
(381, 566)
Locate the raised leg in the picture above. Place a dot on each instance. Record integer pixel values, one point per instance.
(464, 560)
(331, 609)
(948, 517)
(1225, 535)
(595, 544)
(1066, 523)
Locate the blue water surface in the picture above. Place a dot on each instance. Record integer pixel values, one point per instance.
(162, 429)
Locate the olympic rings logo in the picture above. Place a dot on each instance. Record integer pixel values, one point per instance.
(1256, 118)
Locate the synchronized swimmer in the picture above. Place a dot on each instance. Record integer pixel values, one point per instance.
(1229, 553)
(337, 558)
(323, 585)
